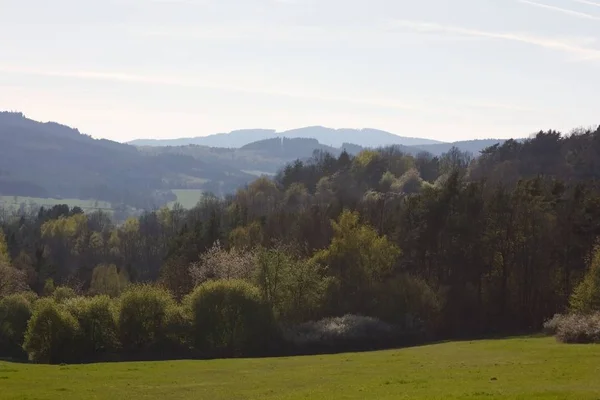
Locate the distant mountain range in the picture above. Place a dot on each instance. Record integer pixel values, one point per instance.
(326, 136)
(50, 160)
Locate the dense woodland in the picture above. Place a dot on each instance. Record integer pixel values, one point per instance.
(408, 247)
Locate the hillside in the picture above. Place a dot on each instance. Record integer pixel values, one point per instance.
(503, 369)
(53, 160)
(50, 160)
(472, 146)
(327, 136)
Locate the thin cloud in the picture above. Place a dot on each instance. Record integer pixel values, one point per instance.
(587, 2)
(583, 53)
(446, 107)
(190, 83)
(573, 13)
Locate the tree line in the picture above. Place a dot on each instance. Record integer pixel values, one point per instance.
(404, 246)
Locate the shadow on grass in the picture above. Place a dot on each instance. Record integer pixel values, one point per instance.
(289, 351)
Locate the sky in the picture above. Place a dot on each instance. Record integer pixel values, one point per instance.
(441, 69)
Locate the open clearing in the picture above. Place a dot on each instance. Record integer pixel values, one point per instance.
(86, 205)
(520, 368)
(188, 198)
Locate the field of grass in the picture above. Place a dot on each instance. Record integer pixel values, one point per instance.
(258, 173)
(188, 198)
(520, 368)
(86, 205)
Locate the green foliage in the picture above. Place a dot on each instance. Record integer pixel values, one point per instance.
(4, 253)
(49, 287)
(30, 296)
(586, 297)
(229, 318)
(178, 326)
(143, 314)
(294, 288)
(108, 281)
(15, 312)
(51, 333)
(63, 293)
(12, 280)
(409, 303)
(98, 333)
(357, 258)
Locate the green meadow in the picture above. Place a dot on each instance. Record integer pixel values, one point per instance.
(518, 368)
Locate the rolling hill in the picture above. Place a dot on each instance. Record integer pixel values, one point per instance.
(53, 160)
(326, 136)
(50, 160)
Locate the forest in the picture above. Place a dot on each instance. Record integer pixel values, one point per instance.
(381, 249)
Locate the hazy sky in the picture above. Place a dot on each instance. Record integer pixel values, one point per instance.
(443, 69)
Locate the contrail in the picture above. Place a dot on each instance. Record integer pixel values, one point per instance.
(573, 13)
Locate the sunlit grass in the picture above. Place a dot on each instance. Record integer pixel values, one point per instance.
(521, 368)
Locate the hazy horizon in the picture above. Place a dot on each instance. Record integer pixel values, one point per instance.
(166, 69)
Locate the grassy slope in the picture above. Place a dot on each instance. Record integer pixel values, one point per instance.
(188, 198)
(507, 369)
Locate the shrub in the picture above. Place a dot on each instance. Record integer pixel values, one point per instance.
(143, 317)
(229, 319)
(98, 332)
(15, 312)
(350, 332)
(576, 328)
(51, 332)
(178, 327)
(295, 289)
(551, 326)
(586, 296)
(410, 303)
(63, 293)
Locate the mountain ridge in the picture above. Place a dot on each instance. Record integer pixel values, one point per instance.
(365, 137)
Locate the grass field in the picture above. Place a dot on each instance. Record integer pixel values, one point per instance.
(521, 368)
(86, 205)
(188, 198)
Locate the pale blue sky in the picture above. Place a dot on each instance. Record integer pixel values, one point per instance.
(442, 69)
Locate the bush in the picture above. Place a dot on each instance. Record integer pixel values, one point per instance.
(295, 289)
(551, 326)
(586, 296)
(178, 327)
(51, 332)
(143, 318)
(15, 312)
(409, 303)
(63, 293)
(576, 328)
(347, 333)
(98, 333)
(229, 319)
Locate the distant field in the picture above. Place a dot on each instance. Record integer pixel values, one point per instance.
(15, 201)
(259, 173)
(499, 369)
(188, 198)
